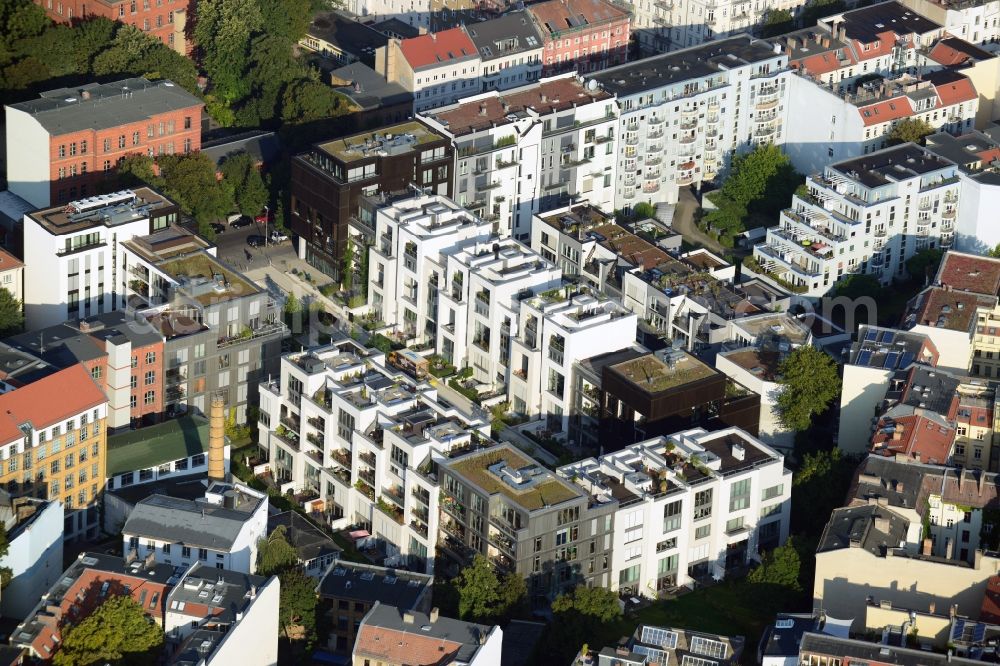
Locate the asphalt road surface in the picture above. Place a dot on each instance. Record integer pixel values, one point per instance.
(233, 249)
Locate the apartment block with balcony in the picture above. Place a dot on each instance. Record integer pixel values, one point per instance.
(478, 316)
(581, 35)
(407, 261)
(531, 149)
(56, 449)
(500, 503)
(866, 215)
(689, 507)
(682, 113)
(555, 330)
(222, 333)
(358, 444)
(330, 180)
(72, 265)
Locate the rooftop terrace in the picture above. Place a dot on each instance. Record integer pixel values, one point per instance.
(653, 374)
(544, 490)
(107, 210)
(394, 140)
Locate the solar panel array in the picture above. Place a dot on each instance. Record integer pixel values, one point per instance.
(657, 636)
(708, 647)
(877, 352)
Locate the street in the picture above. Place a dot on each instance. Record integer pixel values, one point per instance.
(233, 250)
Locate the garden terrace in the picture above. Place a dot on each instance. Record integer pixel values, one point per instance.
(546, 490)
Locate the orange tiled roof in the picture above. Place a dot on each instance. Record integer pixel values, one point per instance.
(886, 110)
(399, 647)
(558, 15)
(915, 437)
(48, 401)
(990, 610)
(955, 92)
(439, 47)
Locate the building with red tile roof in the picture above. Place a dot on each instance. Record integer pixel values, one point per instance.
(581, 35)
(990, 610)
(394, 638)
(34, 424)
(974, 273)
(439, 68)
(914, 435)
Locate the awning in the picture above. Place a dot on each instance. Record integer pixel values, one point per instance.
(838, 628)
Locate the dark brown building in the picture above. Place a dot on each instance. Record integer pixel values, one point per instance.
(329, 181)
(349, 590)
(646, 395)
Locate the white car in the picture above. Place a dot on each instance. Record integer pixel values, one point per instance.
(277, 236)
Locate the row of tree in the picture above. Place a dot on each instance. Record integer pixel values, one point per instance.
(35, 52)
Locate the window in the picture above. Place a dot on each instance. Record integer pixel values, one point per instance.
(629, 575)
(703, 531)
(202, 554)
(185, 551)
(150, 378)
(151, 357)
(703, 504)
(772, 492)
(734, 524)
(134, 381)
(149, 398)
(95, 372)
(671, 517)
(739, 495)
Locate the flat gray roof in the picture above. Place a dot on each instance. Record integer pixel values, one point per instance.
(102, 106)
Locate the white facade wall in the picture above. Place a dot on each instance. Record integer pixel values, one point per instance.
(489, 652)
(416, 13)
(844, 226)
(863, 391)
(954, 347)
(28, 155)
(643, 536)
(770, 430)
(35, 558)
(445, 83)
(50, 272)
(978, 202)
(253, 640)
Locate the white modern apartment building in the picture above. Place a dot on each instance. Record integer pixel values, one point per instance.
(438, 68)
(407, 262)
(34, 530)
(71, 253)
(975, 22)
(479, 304)
(355, 442)
(865, 215)
(219, 530)
(556, 330)
(531, 149)
(681, 114)
(691, 506)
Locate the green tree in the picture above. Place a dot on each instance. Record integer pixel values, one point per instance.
(909, 129)
(346, 265)
(117, 631)
(6, 574)
(191, 181)
(809, 383)
(818, 487)
(487, 598)
(292, 305)
(777, 22)
(308, 100)
(275, 554)
(11, 314)
(780, 566)
(643, 210)
(297, 602)
(995, 252)
(222, 31)
(240, 172)
(923, 265)
(857, 285)
(578, 616)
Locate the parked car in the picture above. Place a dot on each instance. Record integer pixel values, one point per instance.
(241, 223)
(277, 236)
(253, 240)
(217, 228)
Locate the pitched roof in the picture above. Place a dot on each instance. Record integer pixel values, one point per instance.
(516, 29)
(38, 405)
(925, 437)
(435, 48)
(191, 523)
(951, 51)
(386, 635)
(556, 16)
(952, 87)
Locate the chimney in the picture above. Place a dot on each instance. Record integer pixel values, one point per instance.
(792, 42)
(932, 608)
(738, 451)
(842, 32)
(217, 440)
(482, 108)
(408, 618)
(434, 615)
(928, 547)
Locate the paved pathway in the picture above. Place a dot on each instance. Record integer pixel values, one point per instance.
(684, 224)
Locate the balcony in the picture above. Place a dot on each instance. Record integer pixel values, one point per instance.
(396, 493)
(248, 334)
(342, 457)
(631, 139)
(390, 510)
(688, 138)
(368, 458)
(482, 342)
(419, 527)
(949, 214)
(315, 440)
(880, 232)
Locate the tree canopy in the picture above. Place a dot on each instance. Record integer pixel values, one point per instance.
(117, 631)
(780, 566)
(34, 50)
(275, 554)
(777, 22)
(819, 9)
(924, 264)
(760, 183)
(809, 383)
(818, 487)
(11, 315)
(297, 603)
(910, 129)
(487, 598)
(249, 191)
(578, 616)
(857, 285)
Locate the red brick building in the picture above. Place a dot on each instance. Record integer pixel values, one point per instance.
(164, 19)
(581, 35)
(60, 145)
